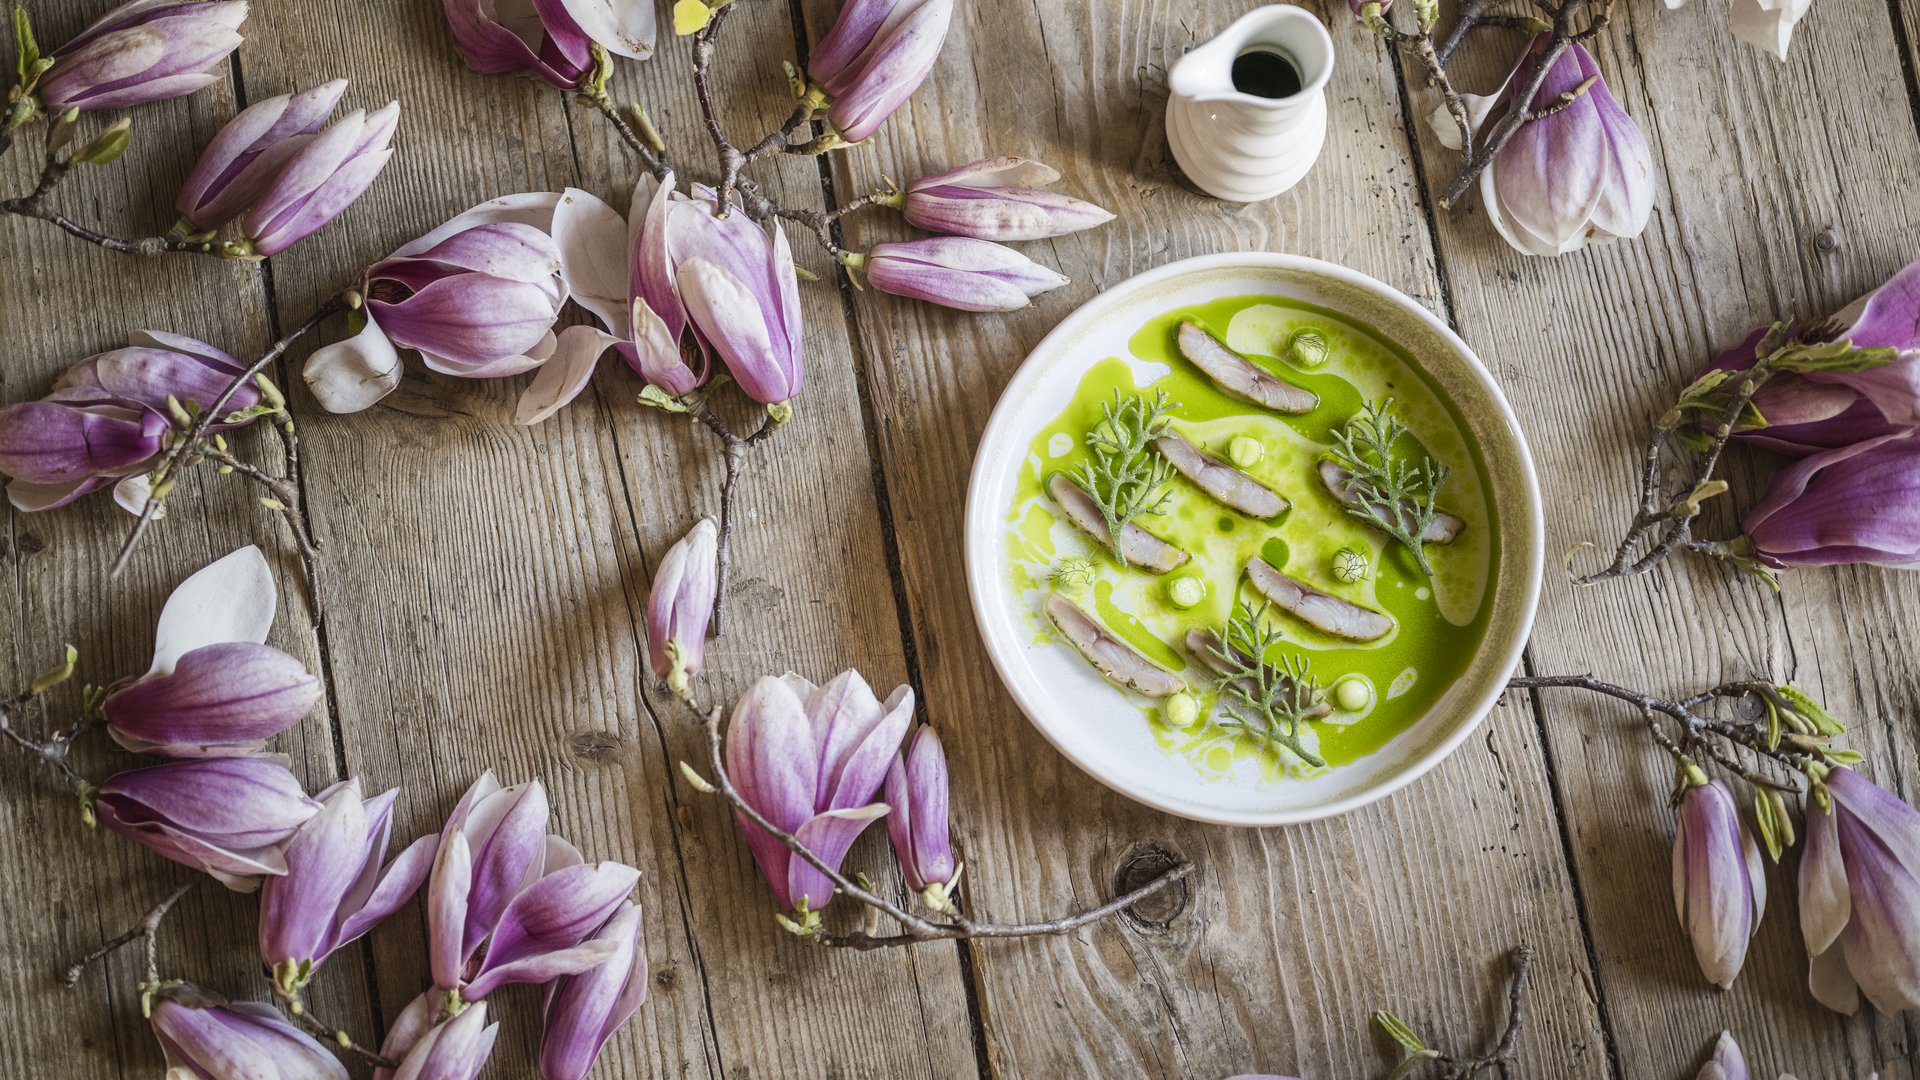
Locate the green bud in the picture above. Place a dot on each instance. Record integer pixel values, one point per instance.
(1816, 714)
(273, 504)
(1763, 822)
(698, 782)
(1398, 1030)
(106, 147)
(1843, 757)
(270, 393)
(660, 399)
(781, 412)
(179, 412)
(54, 676)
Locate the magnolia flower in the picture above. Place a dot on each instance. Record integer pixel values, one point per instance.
(428, 1048)
(221, 700)
(1719, 886)
(478, 297)
(875, 56)
(243, 158)
(583, 1011)
(725, 279)
(229, 1041)
(1807, 412)
(507, 903)
(1578, 176)
(335, 889)
(214, 690)
(141, 51)
(680, 605)
(1860, 895)
(995, 199)
(226, 816)
(106, 417)
(809, 759)
(548, 39)
(321, 179)
(1857, 504)
(916, 789)
(1727, 1063)
(956, 272)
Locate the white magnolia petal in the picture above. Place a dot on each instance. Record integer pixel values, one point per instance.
(1766, 25)
(622, 27)
(1832, 984)
(1447, 130)
(354, 374)
(563, 377)
(533, 208)
(231, 600)
(134, 492)
(593, 256)
(31, 498)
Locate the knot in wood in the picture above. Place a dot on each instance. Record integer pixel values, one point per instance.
(1141, 865)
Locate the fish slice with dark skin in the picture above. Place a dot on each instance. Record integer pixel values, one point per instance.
(1116, 659)
(1138, 546)
(1228, 485)
(1328, 614)
(1206, 647)
(1242, 378)
(1339, 483)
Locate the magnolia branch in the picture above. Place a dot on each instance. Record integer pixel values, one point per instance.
(734, 449)
(35, 205)
(51, 752)
(297, 1010)
(147, 930)
(1457, 1068)
(1562, 24)
(914, 928)
(190, 446)
(1798, 750)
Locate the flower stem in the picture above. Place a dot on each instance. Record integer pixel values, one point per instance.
(147, 930)
(914, 928)
(192, 440)
(34, 205)
(337, 1037)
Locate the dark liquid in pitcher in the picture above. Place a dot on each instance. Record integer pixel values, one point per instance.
(1265, 74)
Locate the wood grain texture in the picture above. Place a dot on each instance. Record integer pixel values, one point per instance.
(72, 887)
(486, 583)
(1291, 937)
(1781, 192)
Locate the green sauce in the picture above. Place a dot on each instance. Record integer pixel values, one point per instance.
(1439, 622)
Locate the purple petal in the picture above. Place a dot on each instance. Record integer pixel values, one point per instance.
(828, 835)
(583, 1011)
(243, 157)
(220, 700)
(323, 858)
(889, 74)
(509, 833)
(554, 915)
(680, 604)
(1882, 939)
(150, 376)
(448, 888)
(1825, 901)
(45, 442)
(470, 318)
(1712, 888)
(990, 173)
(1728, 1062)
(1860, 503)
(392, 888)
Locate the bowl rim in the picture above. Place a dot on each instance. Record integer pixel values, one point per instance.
(981, 529)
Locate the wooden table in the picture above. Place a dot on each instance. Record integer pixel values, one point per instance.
(485, 583)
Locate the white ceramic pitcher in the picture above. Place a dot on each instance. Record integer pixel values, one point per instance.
(1247, 146)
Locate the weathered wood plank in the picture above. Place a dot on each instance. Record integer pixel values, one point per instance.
(489, 581)
(60, 301)
(1783, 190)
(1290, 937)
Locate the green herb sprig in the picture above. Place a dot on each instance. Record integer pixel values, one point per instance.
(1268, 700)
(1122, 474)
(1389, 492)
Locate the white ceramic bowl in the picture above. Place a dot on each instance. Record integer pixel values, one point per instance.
(1099, 727)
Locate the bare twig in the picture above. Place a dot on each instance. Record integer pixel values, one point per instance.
(339, 1037)
(147, 930)
(1502, 1054)
(34, 205)
(51, 752)
(914, 928)
(1697, 730)
(734, 448)
(191, 443)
